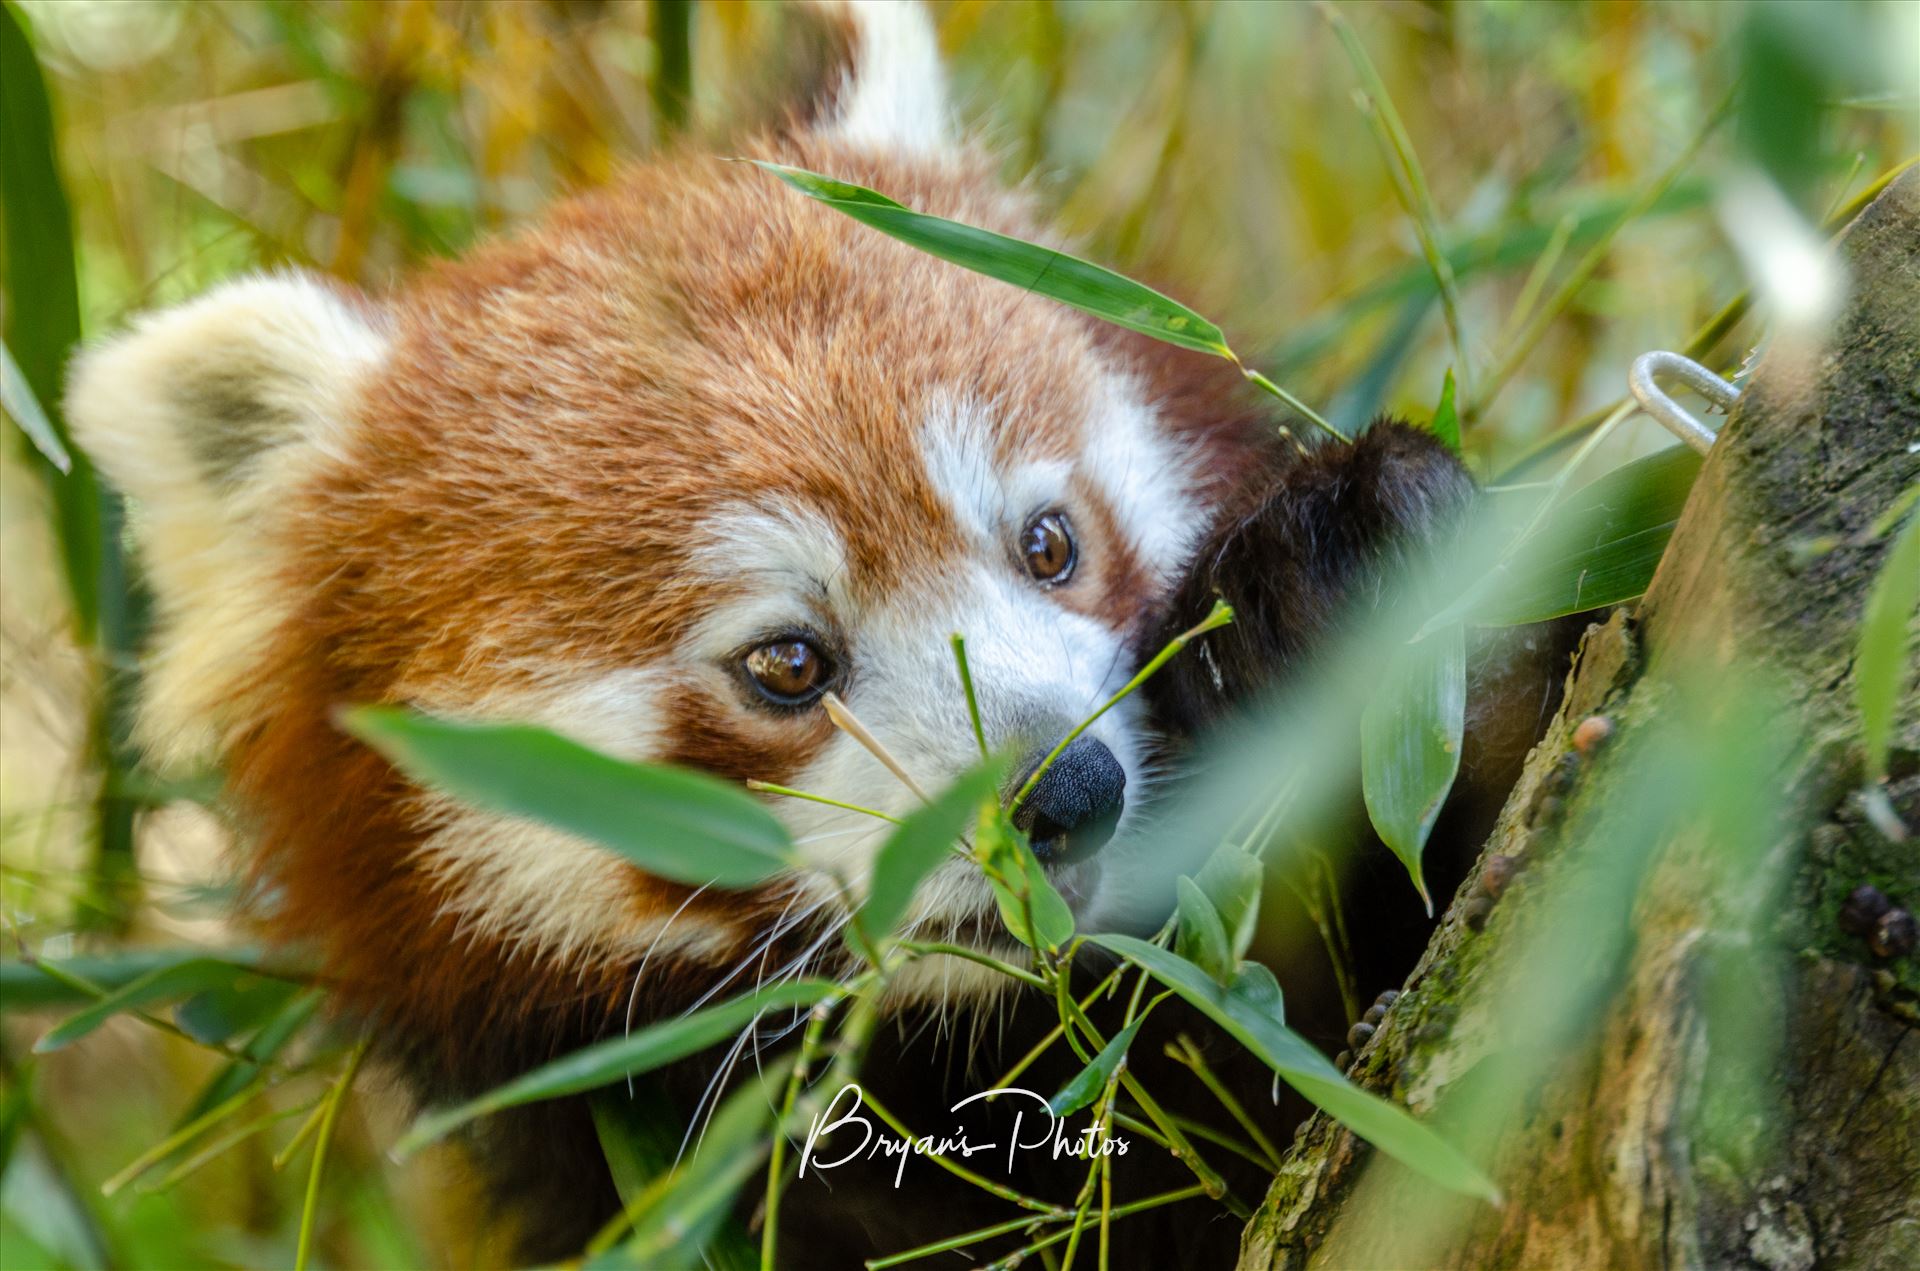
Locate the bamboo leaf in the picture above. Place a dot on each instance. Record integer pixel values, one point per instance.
(1385, 1125)
(921, 843)
(640, 1134)
(686, 1209)
(20, 404)
(1881, 666)
(618, 1057)
(65, 981)
(43, 310)
(1091, 1080)
(1255, 984)
(1600, 547)
(1410, 745)
(1201, 938)
(1054, 274)
(182, 979)
(672, 822)
(1446, 418)
(1231, 880)
(217, 1015)
(260, 1049)
(1020, 886)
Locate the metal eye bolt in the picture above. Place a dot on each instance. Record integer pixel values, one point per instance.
(1642, 382)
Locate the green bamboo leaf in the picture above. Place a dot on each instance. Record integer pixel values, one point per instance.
(923, 840)
(1410, 745)
(1091, 1080)
(217, 1015)
(65, 981)
(1604, 543)
(672, 822)
(688, 1208)
(262, 1048)
(43, 311)
(1881, 666)
(1385, 1125)
(1255, 985)
(1201, 938)
(1020, 885)
(640, 1133)
(1231, 879)
(630, 1149)
(182, 979)
(617, 1057)
(21, 406)
(1446, 418)
(1068, 279)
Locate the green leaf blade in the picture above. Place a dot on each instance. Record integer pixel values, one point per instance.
(1201, 938)
(179, 980)
(603, 1062)
(1446, 417)
(1068, 279)
(920, 844)
(1385, 1125)
(1091, 1080)
(683, 1223)
(1410, 737)
(1053, 923)
(1231, 880)
(672, 822)
(1609, 537)
(1881, 665)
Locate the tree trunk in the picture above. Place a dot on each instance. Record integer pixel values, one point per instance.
(1612, 1159)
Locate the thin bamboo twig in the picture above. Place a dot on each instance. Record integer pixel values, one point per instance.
(310, 1208)
(788, 792)
(966, 684)
(1221, 615)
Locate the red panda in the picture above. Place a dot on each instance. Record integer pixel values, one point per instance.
(657, 472)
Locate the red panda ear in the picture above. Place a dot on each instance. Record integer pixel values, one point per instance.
(889, 89)
(206, 415)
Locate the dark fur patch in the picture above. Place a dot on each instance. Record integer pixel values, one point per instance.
(228, 423)
(1304, 539)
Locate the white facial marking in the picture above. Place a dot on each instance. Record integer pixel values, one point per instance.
(786, 560)
(1038, 667)
(895, 96)
(1147, 477)
(958, 448)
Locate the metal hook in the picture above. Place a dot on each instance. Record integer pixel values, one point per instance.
(1641, 381)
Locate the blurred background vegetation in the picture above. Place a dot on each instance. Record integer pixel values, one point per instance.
(1575, 156)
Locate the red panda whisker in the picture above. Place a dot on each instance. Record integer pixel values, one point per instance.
(704, 1108)
(782, 926)
(639, 973)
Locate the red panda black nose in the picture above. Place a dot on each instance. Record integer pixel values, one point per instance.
(1072, 812)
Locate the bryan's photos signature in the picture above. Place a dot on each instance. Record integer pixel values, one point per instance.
(854, 1136)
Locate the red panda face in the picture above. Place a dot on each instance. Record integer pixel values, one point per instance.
(664, 472)
(656, 474)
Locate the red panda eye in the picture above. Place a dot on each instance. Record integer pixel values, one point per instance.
(788, 672)
(1047, 548)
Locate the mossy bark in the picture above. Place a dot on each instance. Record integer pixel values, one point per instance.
(1606, 1164)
